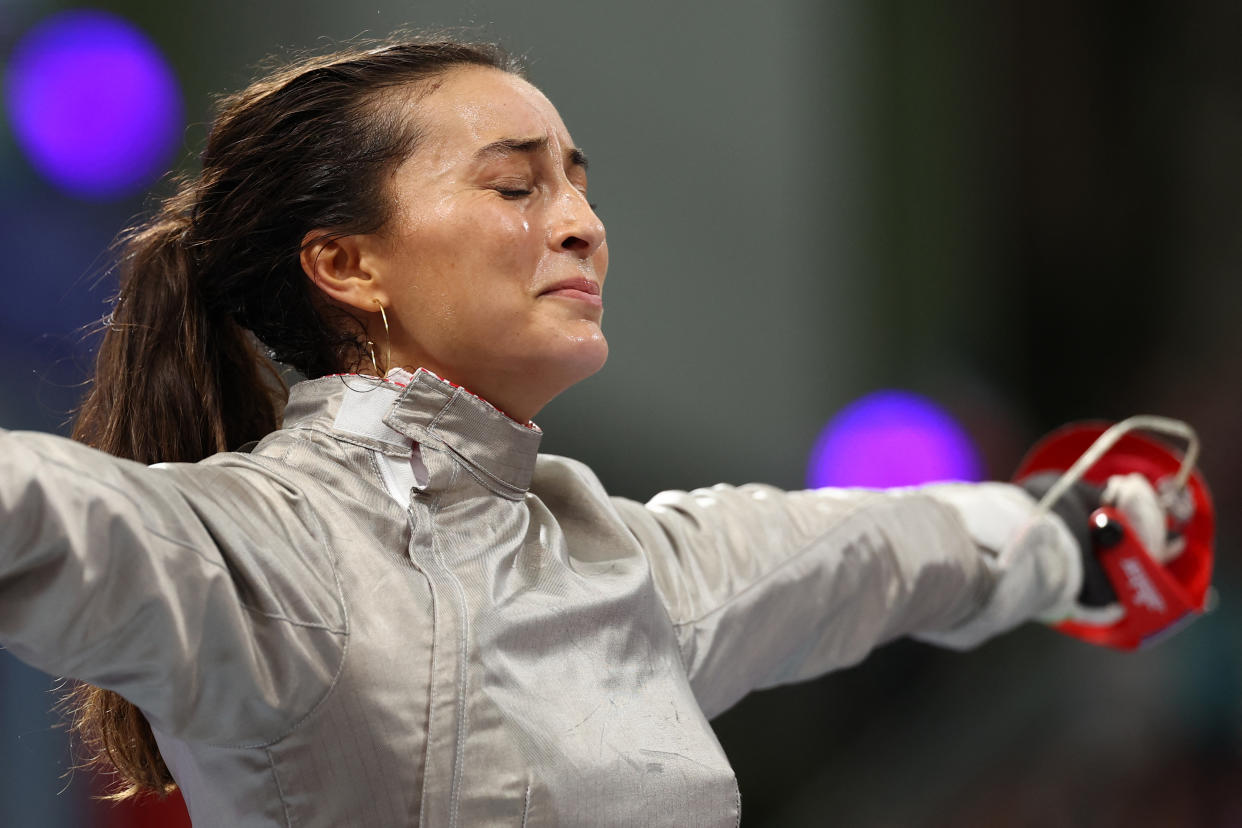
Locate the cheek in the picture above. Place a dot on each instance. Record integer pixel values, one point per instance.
(492, 247)
(512, 247)
(464, 256)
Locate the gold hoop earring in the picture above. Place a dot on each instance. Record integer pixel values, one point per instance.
(374, 364)
(387, 340)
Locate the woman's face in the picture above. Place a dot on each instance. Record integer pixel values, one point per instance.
(492, 266)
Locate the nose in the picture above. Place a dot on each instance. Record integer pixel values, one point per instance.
(578, 230)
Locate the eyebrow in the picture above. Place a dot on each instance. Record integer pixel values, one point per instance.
(530, 146)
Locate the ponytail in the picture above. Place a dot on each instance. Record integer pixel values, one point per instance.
(174, 381)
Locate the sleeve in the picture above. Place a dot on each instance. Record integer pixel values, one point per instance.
(156, 583)
(765, 586)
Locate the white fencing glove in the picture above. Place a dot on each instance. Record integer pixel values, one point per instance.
(1135, 498)
(1034, 560)
(1044, 565)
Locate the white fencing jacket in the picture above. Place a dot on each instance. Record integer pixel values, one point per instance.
(394, 611)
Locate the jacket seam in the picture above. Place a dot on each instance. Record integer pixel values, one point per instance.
(436, 601)
(280, 793)
(354, 440)
(284, 458)
(340, 667)
(462, 678)
(382, 483)
(488, 480)
(431, 426)
(310, 625)
(343, 633)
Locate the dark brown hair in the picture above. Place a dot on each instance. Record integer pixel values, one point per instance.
(212, 286)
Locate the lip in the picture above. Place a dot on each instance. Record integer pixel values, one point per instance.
(579, 289)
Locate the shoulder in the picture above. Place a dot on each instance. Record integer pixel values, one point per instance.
(268, 519)
(556, 475)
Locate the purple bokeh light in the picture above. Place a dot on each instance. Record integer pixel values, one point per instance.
(93, 104)
(892, 438)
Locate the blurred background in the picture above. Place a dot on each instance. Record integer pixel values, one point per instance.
(853, 242)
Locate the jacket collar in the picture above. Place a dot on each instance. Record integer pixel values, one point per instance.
(433, 409)
(428, 410)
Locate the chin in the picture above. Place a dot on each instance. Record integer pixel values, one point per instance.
(554, 360)
(571, 359)
(587, 355)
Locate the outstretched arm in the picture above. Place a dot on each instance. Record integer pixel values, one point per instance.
(765, 586)
(157, 583)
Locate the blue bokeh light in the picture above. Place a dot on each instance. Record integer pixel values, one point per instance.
(93, 104)
(892, 438)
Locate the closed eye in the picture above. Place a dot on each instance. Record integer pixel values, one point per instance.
(515, 193)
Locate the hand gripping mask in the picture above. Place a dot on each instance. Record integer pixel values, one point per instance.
(1156, 599)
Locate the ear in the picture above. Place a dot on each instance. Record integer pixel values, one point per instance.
(343, 268)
